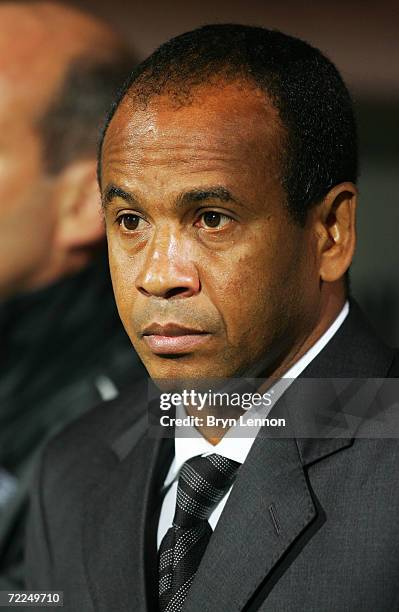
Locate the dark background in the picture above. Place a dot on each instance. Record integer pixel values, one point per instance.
(362, 38)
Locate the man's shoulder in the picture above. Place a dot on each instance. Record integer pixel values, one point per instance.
(355, 351)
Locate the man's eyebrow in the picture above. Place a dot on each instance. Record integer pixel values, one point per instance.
(196, 195)
(204, 193)
(112, 191)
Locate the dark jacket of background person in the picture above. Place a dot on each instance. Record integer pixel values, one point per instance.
(63, 351)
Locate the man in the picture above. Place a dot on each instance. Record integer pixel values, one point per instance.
(63, 348)
(228, 175)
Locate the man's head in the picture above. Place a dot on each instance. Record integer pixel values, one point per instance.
(227, 172)
(59, 71)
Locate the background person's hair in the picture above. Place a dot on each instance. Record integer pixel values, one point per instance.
(315, 108)
(69, 128)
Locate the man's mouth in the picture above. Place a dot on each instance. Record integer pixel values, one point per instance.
(173, 338)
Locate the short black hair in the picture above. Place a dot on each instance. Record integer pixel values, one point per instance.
(69, 128)
(314, 105)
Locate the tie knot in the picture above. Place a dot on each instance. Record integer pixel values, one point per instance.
(203, 481)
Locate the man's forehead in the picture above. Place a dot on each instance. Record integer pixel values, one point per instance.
(38, 42)
(225, 116)
(27, 55)
(23, 57)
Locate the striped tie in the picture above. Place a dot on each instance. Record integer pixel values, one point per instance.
(203, 482)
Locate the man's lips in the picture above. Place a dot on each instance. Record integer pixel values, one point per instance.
(173, 338)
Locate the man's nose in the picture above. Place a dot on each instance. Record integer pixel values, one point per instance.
(168, 270)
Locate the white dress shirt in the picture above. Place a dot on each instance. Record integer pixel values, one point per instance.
(230, 446)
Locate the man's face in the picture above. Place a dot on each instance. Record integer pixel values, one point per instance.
(38, 41)
(26, 215)
(211, 275)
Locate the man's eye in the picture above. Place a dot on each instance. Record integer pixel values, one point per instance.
(129, 222)
(213, 219)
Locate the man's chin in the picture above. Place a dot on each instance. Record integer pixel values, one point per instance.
(185, 368)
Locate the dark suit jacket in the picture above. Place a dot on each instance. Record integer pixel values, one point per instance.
(310, 525)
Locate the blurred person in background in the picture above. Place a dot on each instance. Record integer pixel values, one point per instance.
(63, 348)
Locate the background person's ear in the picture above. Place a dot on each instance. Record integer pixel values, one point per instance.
(336, 231)
(80, 222)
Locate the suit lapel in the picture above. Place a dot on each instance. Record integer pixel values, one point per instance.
(119, 546)
(271, 512)
(269, 506)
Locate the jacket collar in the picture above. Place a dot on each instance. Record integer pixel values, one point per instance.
(355, 351)
(357, 356)
(119, 526)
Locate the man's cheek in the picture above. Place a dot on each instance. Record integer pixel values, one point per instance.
(123, 291)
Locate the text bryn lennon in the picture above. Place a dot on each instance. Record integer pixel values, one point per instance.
(213, 421)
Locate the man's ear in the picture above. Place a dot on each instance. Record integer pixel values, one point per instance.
(336, 231)
(80, 222)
